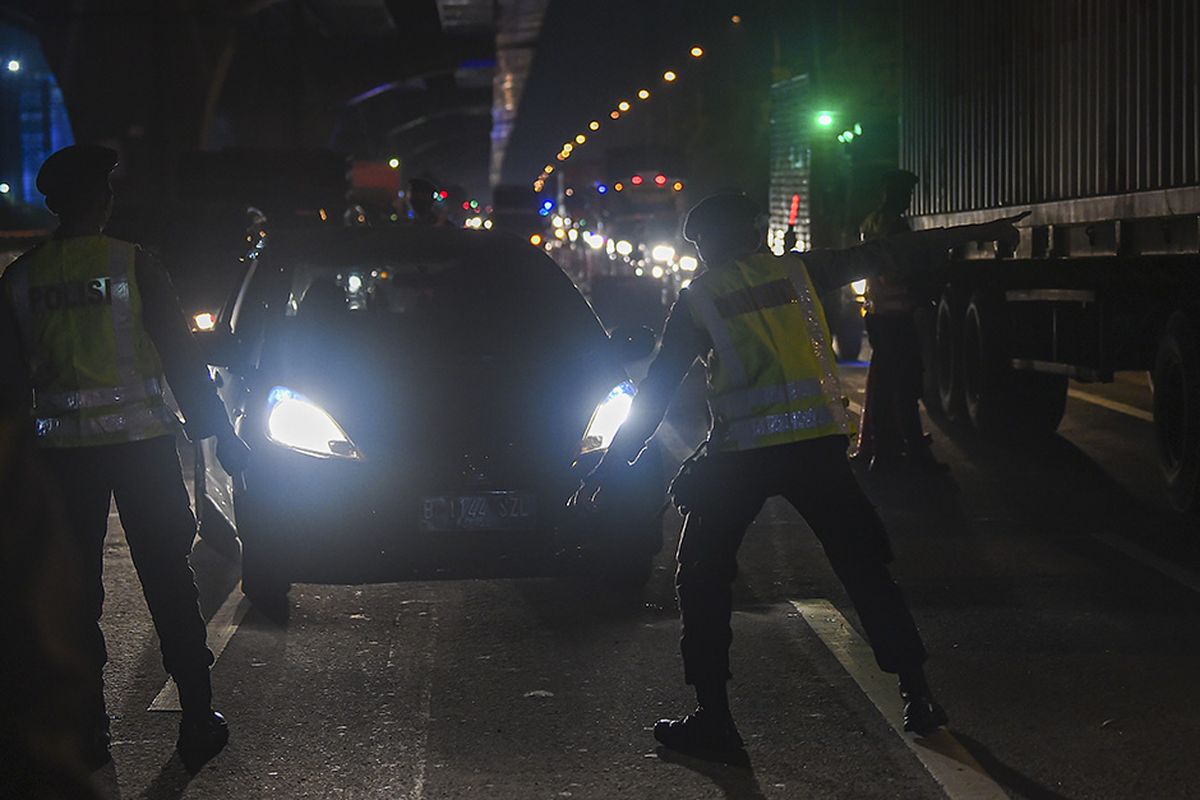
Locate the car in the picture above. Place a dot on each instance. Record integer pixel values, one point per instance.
(421, 402)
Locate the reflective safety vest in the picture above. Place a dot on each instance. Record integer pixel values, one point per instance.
(97, 377)
(772, 377)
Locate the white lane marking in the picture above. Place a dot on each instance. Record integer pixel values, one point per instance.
(1111, 405)
(221, 629)
(425, 711)
(956, 771)
(1180, 575)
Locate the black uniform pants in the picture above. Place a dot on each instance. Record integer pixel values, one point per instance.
(816, 479)
(146, 479)
(894, 385)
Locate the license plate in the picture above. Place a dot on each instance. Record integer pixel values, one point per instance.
(479, 511)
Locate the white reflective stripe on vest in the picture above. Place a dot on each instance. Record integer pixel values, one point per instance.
(120, 257)
(830, 386)
(747, 432)
(717, 331)
(742, 403)
(136, 422)
(95, 398)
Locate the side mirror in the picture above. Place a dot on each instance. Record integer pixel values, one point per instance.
(220, 348)
(632, 343)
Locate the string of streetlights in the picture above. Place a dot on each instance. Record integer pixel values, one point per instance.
(623, 107)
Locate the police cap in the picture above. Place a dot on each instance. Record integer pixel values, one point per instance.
(729, 211)
(75, 169)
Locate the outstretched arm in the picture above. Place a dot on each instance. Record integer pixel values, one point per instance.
(904, 252)
(682, 343)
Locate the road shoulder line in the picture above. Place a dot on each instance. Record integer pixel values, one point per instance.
(1180, 575)
(1111, 405)
(221, 628)
(956, 771)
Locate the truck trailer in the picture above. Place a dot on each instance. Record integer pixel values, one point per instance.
(1087, 114)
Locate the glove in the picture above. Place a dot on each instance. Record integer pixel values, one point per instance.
(232, 452)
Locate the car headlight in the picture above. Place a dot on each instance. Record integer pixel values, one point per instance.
(297, 423)
(608, 418)
(859, 287)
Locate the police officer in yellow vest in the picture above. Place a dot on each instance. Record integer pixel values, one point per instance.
(780, 427)
(91, 329)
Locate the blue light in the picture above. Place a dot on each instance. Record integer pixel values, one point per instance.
(601, 188)
(548, 205)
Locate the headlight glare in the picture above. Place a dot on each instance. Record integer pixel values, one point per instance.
(297, 423)
(608, 418)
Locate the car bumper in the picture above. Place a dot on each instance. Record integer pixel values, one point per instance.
(328, 521)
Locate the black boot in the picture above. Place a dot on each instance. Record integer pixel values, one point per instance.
(922, 714)
(201, 736)
(704, 734)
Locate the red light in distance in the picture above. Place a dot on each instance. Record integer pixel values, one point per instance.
(661, 180)
(636, 180)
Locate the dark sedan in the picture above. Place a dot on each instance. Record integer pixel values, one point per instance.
(421, 402)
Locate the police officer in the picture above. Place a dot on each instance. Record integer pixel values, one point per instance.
(91, 327)
(891, 428)
(780, 427)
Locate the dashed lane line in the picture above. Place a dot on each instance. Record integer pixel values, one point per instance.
(1182, 576)
(1111, 405)
(957, 772)
(221, 629)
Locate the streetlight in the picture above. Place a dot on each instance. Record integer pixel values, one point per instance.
(824, 118)
(394, 162)
(669, 76)
(14, 65)
(697, 51)
(623, 105)
(5, 188)
(594, 125)
(644, 94)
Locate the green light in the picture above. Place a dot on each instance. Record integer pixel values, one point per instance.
(857, 129)
(842, 138)
(849, 135)
(824, 118)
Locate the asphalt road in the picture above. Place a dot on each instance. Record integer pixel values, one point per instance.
(1057, 592)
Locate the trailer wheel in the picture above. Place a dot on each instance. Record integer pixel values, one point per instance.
(1177, 411)
(948, 355)
(983, 368)
(998, 398)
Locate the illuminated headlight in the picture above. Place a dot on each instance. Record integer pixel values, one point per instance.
(859, 287)
(608, 418)
(297, 423)
(204, 321)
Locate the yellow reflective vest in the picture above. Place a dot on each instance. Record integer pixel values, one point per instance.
(772, 376)
(96, 375)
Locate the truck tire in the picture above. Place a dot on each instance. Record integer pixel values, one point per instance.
(984, 373)
(948, 361)
(1177, 411)
(925, 319)
(1001, 400)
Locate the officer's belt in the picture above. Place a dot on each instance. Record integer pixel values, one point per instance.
(46, 403)
(135, 422)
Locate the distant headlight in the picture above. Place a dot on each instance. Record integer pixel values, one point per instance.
(608, 418)
(297, 423)
(859, 287)
(204, 321)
